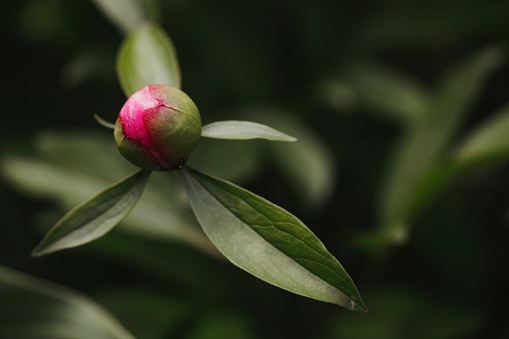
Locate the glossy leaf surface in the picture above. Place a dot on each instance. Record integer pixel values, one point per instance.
(267, 241)
(94, 217)
(243, 130)
(146, 57)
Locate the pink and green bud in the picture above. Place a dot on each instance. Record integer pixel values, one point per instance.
(157, 128)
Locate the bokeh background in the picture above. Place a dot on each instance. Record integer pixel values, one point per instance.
(401, 168)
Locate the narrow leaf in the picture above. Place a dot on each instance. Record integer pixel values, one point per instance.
(489, 139)
(36, 308)
(420, 147)
(103, 122)
(267, 241)
(243, 130)
(308, 166)
(125, 14)
(390, 93)
(147, 57)
(94, 217)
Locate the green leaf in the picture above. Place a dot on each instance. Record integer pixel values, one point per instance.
(94, 217)
(267, 241)
(125, 14)
(490, 139)
(308, 166)
(389, 92)
(56, 167)
(103, 122)
(243, 130)
(146, 57)
(420, 147)
(35, 308)
(487, 145)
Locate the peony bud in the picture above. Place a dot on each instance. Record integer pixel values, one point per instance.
(157, 128)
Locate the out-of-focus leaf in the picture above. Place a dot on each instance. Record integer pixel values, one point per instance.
(34, 308)
(308, 164)
(125, 14)
(223, 325)
(243, 130)
(238, 160)
(491, 139)
(267, 241)
(389, 92)
(398, 312)
(69, 167)
(486, 145)
(420, 147)
(146, 57)
(161, 314)
(94, 217)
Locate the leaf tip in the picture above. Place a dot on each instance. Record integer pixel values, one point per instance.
(103, 122)
(36, 253)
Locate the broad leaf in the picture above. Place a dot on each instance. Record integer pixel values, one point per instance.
(126, 14)
(35, 308)
(267, 241)
(94, 217)
(243, 130)
(146, 57)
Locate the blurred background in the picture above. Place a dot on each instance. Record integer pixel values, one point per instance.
(401, 110)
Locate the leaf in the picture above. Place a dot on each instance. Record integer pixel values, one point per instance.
(267, 241)
(243, 130)
(57, 167)
(389, 92)
(94, 217)
(125, 14)
(490, 139)
(103, 122)
(162, 314)
(308, 165)
(36, 308)
(487, 145)
(420, 147)
(240, 160)
(146, 57)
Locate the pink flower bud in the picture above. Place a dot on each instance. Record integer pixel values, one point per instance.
(157, 128)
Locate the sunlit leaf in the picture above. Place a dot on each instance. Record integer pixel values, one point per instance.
(146, 57)
(243, 130)
(125, 14)
(267, 241)
(94, 217)
(35, 308)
